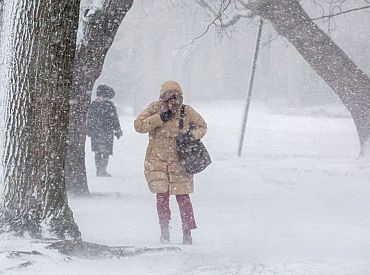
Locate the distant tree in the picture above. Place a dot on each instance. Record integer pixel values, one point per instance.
(42, 51)
(289, 19)
(98, 26)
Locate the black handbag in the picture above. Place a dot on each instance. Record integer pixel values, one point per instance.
(193, 155)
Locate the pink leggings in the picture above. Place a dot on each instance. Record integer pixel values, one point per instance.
(185, 206)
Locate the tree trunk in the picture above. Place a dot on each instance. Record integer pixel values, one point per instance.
(98, 29)
(1, 15)
(347, 80)
(40, 77)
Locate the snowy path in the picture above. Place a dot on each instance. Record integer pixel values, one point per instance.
(297, 202)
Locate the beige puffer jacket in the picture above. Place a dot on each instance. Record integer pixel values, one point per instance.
(163, 171)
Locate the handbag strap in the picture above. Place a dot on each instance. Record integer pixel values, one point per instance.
(182, 114)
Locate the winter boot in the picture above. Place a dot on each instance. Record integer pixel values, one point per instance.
(102, 164)
(165, 233)
(98, 164)
(186, 237)
(102, 173)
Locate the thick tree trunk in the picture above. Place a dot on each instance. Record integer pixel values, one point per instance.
(40, 77)
(98, 29)
(1, 15)
(347, 80)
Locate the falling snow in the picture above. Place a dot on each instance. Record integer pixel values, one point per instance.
(297, 199)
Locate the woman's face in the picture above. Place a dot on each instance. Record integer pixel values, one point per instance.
(171, 103)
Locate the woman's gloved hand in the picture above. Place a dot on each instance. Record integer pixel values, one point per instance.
(166, 116)
(118, 134)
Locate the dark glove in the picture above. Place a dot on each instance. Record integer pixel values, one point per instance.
(118, 134)
(166, 116)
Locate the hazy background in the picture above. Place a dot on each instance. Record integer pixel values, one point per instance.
(148, 50)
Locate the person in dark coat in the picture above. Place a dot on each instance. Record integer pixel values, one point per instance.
(102, 125)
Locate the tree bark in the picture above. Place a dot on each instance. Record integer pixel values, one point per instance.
(1, 15)
(347, 80)
(40, 77)
(98, 28)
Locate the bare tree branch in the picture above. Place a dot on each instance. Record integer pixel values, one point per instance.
(235, 19)
(219, 14)
(340, 13)
(270, 40)
(245, 5)
(200, 35)
(213, 13)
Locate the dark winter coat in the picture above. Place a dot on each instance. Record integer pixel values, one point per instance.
(102, 124)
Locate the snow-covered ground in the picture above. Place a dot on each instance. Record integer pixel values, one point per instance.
(296, 202)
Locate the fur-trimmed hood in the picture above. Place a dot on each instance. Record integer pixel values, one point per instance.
(169, 89)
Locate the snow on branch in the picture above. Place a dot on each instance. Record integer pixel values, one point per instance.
(87, 11)
(95, 12)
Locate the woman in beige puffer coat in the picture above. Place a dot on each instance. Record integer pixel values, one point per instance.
(164, 174)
